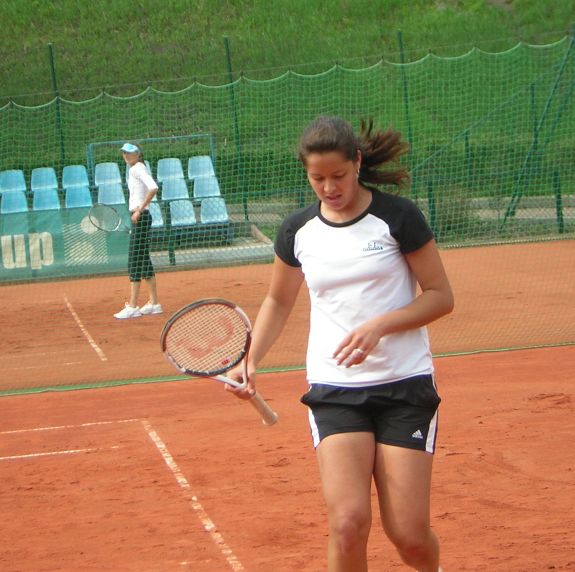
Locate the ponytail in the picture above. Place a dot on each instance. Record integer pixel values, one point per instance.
(378, 148)
(326, 134)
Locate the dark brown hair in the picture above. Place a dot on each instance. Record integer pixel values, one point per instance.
(326, 134)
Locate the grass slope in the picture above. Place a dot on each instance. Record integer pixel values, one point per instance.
(132, 43)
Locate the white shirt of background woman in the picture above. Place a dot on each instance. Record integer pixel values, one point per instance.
(140, 183)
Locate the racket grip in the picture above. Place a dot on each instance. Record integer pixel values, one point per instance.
(268, 415)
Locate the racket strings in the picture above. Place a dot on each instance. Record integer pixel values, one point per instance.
(105, 217)
(207, 339)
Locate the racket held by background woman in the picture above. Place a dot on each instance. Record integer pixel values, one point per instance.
(107, 218)
(208, 338)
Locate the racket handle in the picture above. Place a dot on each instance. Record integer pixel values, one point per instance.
(268, 415)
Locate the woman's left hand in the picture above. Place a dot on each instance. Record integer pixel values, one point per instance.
(135, 216)
(358, 344)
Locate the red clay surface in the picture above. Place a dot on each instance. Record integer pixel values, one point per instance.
(180, 477)
(133, 478)
(63, 333)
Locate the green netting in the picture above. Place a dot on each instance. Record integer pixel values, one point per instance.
(481, 126)
(491, 137)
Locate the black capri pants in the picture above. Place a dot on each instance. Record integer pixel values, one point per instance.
(139, 261)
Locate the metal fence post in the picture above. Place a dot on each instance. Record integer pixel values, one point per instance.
(406, 108)
(57, 99)
(236, 128)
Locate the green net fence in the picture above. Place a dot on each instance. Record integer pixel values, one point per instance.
(492, 141)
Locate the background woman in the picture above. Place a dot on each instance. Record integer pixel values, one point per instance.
(142, 188)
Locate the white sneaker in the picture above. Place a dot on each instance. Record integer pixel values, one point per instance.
(128, 312)
(149, 308)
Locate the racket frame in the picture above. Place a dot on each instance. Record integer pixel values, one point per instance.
(121, 226)
(269, 417)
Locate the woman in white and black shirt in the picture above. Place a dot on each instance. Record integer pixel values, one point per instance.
(142, 189)
(372, 398)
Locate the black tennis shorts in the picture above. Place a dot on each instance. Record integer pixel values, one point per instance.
(402, 413)
(139, 261)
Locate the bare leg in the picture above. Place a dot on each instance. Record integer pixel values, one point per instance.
(152, 289)
(134, 293)
(403, 480)
(346, 467)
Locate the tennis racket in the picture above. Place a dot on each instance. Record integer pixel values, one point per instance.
(107, 218)
(209, 337)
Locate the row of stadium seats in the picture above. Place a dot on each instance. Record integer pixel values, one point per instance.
(73, 176)
(170, 189)
(182, 211)
(49, 199)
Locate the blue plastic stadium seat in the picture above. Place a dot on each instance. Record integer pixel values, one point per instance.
(75, 176)
(200, 166)
(78, 197)
(156, 212)
(12, 180)
(174, 189)
(148, 167)
(213, 210)
(169, 168)
(215, 221)
(107, 173)
(13, 201)
(46, 200)
(182, 212)
(43, 178)
(111, 194)
(206, 187)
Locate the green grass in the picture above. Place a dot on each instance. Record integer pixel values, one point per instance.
(168, 44)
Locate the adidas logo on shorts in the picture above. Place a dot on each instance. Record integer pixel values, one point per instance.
(417, 434)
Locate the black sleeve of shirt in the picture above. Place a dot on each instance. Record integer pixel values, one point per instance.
(284, 243)
(406, 222)
(285, 239)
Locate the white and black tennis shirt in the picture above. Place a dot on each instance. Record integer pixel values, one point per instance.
(355, 271)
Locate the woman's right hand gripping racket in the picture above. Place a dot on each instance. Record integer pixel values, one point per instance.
(208, 338)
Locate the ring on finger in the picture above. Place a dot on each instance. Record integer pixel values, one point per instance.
(358, 351)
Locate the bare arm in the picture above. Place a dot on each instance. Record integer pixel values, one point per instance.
(273, 314)
(149, 198)
(435, 300)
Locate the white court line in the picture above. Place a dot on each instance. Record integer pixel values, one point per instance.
(36, 354)
(87, 335)
(206, 521)
(56, 427)
(42, 365)
(52, 453)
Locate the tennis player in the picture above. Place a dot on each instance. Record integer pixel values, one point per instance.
(372, 398)
(142, 188)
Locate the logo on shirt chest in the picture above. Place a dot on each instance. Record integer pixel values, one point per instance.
(374, 245)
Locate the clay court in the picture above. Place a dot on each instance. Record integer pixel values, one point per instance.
(180, 476)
